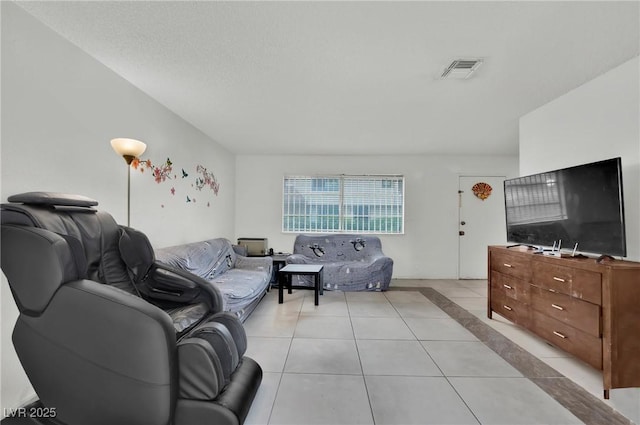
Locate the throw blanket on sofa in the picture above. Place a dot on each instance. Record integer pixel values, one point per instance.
(242, 280)
(351, 262)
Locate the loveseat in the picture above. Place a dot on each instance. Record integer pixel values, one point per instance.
(243, 281)
(351, 262)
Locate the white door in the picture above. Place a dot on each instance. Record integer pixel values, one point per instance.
(481, 223)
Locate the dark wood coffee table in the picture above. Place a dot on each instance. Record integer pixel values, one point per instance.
(289, 270)
(279, 261)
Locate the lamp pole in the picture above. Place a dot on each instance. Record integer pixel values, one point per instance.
(129, 149)
(129, 195)
(128, 159)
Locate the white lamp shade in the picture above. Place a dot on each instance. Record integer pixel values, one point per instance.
(128, 147)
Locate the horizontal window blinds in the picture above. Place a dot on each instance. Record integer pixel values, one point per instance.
(325, 204)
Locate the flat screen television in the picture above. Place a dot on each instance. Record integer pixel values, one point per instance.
(581, 204)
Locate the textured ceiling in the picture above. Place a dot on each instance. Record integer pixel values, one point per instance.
(352, 77)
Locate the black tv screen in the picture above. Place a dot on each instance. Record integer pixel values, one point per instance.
(581, 204)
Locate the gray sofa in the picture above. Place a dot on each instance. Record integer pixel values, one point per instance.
(351, 262)
(243, 281)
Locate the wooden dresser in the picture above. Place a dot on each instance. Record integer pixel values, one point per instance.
(589, 309)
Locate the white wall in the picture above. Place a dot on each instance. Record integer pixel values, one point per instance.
(598, 120)
(429, 247)
(60, 108)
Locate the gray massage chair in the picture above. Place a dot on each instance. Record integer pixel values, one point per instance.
(107, 335)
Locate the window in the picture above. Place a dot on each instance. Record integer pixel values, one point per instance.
(325, 185)
(358, 204)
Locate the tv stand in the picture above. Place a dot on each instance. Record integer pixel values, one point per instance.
(586, 308)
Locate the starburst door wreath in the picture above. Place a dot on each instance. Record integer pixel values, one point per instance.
(482, 190)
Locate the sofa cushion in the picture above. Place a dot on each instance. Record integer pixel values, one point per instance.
(206, 259)
(236, 283)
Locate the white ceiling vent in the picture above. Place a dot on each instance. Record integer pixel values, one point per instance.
(461, 69)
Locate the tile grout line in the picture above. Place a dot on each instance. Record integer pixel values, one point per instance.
(438, 366)
(275, 397)
(570, 395)
(364, 379)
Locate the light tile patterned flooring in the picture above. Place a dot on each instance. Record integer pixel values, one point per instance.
(396, 358)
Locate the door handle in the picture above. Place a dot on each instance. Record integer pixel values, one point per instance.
(461, 232)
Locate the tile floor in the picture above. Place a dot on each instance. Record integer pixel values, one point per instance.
(398, 358)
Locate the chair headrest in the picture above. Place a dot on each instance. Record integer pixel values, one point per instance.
(53, 199)
(95, 233)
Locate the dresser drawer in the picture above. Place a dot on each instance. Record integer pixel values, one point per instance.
(509, 264)
(571, 311)
(578, 283)
(512, 287)
(509, 308)
(580, 344)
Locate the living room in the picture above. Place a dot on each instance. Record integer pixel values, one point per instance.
(62, 105)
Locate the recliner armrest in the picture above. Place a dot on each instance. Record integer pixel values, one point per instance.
(167, 281)
(171, 284)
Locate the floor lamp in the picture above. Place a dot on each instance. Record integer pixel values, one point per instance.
(129, 149)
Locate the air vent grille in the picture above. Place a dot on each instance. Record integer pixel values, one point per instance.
(461, 69)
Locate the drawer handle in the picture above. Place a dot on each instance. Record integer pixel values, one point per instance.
(507, 265)
(558, 279)
(507, 307)
(507, 286)
(559, 334)
(557, 307)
